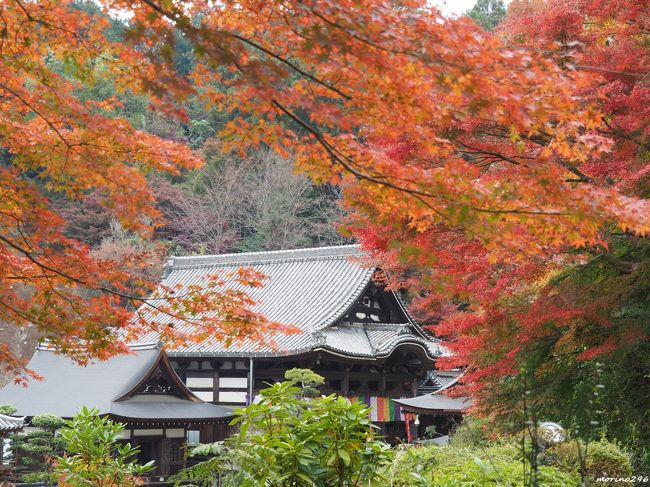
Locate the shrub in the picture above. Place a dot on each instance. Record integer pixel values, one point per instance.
(33, 451)
(36, 477)
(604, 459)
(94, 455)
(7, 409)
(448, 466)
(473, 432)
(289, 440)
(48, 422)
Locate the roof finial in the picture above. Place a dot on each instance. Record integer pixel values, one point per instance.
(167, 268)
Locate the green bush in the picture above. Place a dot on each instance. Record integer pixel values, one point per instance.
(94, 455)
(448, 466)
(7, 409)
(37, 477)
(604, 459)
(33, 451)
(474, 432)
(48, 422)
(286, 439)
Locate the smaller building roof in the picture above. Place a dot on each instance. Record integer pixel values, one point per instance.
(435, 403)
(140, 385)
(10, 424)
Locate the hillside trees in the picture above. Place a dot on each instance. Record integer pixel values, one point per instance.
(251, 204)
(487, 13)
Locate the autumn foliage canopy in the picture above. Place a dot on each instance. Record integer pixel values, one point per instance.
(476, 166)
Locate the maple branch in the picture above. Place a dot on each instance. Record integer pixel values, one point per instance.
(65, 275)
(174, 17)
(482, 151)
(131, 298)
(582, 177)
(419, 195)
(336, 155)
(521, 212)
(302, 72)
(371, 43)
(37, 112)
(611, 71)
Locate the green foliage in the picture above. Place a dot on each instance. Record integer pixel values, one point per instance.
(473, 432)
(603, 458)
(487, 13)
(322, 441)
(447, 466)
(288, 440)
(221, 459)
(34, 451)
(36, 477)
(7, 409)
(94, 455)
(308, 380)
(48, 422)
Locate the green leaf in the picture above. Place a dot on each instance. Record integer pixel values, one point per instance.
(345, 456)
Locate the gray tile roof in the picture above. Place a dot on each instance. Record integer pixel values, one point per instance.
(9, 424)
(68, 386)
(435, 403)
(312, 289)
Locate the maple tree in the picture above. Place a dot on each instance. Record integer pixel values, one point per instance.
(483, 161)
(556, 328)
(55, 143)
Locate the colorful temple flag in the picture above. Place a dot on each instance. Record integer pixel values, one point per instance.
(382, 409)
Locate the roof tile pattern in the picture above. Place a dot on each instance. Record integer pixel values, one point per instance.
(311, 289)
(9, 424)
(68, 386)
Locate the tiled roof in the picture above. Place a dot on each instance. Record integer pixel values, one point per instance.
(435, 403)
(311, 289)
(447, 378)
(9, 424)
(67, 386)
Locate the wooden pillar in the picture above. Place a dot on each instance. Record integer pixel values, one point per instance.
(251, 381)
(165, 447)
(345, 384)
(382, 381)
(215, 385)
(414, 386)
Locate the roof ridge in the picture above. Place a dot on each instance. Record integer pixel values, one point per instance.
(248, 258)
(136, 347)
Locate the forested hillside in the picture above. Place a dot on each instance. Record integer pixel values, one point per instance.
(236, 202)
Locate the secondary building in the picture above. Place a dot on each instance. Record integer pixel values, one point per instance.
(140, 390)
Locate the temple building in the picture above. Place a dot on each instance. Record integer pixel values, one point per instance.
(139, 390)
(354, 332)
(433, 407)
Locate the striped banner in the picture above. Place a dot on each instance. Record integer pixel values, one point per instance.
(382, 409)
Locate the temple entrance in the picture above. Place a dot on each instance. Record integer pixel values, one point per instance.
(149, 450)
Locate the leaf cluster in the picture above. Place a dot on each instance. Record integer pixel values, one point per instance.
(287, 440)
(95, 456)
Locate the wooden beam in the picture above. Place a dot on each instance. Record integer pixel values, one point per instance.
(215, 386)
